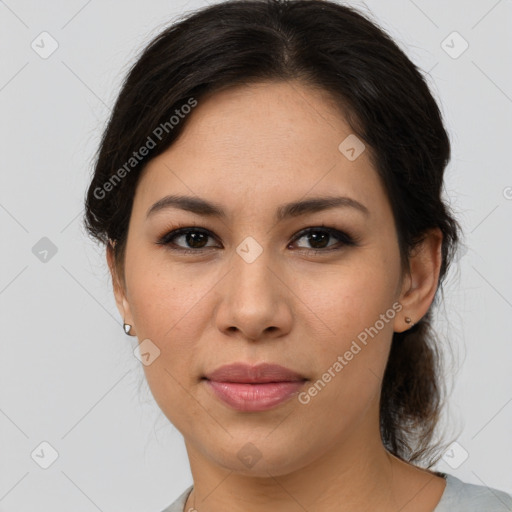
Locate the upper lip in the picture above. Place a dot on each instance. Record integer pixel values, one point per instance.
(260, 373)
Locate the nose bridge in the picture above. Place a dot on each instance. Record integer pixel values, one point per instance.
(251, 271)
(252, 298)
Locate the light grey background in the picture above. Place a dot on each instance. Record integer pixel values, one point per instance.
(68, 375)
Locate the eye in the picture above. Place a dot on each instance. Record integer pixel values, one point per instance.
(195, 238)
(318, 238)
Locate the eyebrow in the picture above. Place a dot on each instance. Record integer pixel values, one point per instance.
(294, 209)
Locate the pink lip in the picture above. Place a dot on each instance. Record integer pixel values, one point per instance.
(254, 388)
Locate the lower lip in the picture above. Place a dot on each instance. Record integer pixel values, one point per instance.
(255, 397)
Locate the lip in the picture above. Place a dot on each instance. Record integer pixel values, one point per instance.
(254, 388)
(260, 373)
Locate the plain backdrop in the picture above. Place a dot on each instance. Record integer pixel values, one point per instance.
(68, 375)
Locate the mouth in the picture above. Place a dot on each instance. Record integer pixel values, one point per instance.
(254, 388)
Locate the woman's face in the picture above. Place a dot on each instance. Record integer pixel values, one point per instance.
(253, 289)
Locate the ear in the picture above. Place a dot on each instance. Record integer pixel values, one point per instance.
(119, 290)
(420, 284)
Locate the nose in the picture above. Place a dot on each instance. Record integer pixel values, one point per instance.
(254, 300)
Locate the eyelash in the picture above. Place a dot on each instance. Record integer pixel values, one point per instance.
(343, 238)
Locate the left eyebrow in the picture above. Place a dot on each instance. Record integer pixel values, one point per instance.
(294, 209)
(316, 204)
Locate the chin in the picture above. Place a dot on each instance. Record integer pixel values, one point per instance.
(259, 457)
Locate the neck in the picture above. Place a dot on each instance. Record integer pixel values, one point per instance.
(356, 474)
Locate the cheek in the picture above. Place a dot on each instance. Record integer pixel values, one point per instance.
(168, 308)
(167, 301)
(352, 297)
(356, 305)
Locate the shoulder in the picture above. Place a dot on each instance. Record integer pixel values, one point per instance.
(179, 504)
(461, 496)
(457, 496)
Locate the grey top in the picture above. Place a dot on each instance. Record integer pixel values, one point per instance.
(458, 496)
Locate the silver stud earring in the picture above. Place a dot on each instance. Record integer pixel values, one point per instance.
(127, 328)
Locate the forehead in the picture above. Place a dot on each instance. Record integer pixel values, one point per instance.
(261, 142)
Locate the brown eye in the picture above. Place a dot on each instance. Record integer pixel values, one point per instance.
(195, 239)
(319, 238)
(189, 238)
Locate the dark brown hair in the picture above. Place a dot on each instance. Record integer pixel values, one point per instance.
(385, 100)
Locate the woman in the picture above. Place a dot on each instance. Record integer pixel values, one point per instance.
(269, 191)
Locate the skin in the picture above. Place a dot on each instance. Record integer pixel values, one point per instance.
(251, 149)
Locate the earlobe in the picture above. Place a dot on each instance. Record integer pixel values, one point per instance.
(119, 293)
(420, 285)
